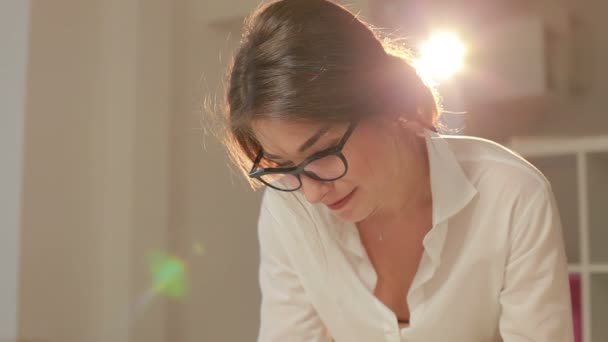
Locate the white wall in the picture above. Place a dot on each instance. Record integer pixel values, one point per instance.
(14, 22)
(209, 205)
(116, 166)
(95, 174)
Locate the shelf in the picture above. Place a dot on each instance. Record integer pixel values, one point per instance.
(549, 146)
(597, 175)
(598, 268)
(561, 172)
(599, 307)
(591, 268)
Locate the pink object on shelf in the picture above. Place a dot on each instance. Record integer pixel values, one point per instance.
(575, 295)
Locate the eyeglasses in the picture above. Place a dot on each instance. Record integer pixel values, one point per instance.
(325, 166)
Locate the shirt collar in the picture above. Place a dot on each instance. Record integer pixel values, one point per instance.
(450, 187)
(451, 191)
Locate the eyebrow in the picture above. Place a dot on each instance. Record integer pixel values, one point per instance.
(312, 140)
(306, 145)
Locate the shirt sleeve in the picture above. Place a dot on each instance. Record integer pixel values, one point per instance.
(286, 311)
(535, 298)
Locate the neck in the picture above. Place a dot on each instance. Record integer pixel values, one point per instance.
(415, 195)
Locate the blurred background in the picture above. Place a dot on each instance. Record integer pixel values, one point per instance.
(120, 219)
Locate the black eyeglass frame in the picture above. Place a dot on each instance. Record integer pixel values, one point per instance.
(299, 169)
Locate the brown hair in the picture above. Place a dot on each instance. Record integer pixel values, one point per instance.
(313, 60)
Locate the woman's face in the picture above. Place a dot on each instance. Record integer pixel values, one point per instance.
(381, 168)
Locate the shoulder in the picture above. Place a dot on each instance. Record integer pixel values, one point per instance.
(278, 214)
(494, 167)
(509, 188)
(281, 206)
(289, 217)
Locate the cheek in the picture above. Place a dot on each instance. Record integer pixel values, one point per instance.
(364, 164)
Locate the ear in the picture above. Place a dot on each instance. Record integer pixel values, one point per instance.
(413, 126)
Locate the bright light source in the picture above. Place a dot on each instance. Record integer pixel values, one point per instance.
(440, 57)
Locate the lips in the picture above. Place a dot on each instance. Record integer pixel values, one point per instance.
(342, 202)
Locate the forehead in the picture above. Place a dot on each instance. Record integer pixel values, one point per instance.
(285, 137)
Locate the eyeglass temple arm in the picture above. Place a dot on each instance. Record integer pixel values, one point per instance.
(257, 160)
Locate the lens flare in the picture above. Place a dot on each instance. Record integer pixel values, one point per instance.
(168, 275)
(440, 57)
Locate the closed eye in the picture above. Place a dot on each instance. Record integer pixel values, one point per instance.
(271, 163)
(285, 164)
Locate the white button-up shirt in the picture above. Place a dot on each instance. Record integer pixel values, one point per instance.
(493, 266)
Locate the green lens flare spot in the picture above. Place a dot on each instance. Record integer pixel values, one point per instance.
(168, 275)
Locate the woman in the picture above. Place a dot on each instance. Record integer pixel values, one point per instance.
(374, 227)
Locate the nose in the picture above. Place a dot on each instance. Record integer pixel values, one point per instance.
(314, 190)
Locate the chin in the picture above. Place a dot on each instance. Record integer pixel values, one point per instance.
(355, 211)
(353, 215)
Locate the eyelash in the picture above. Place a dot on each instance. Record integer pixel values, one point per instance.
(285, 164)
(273, 163)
